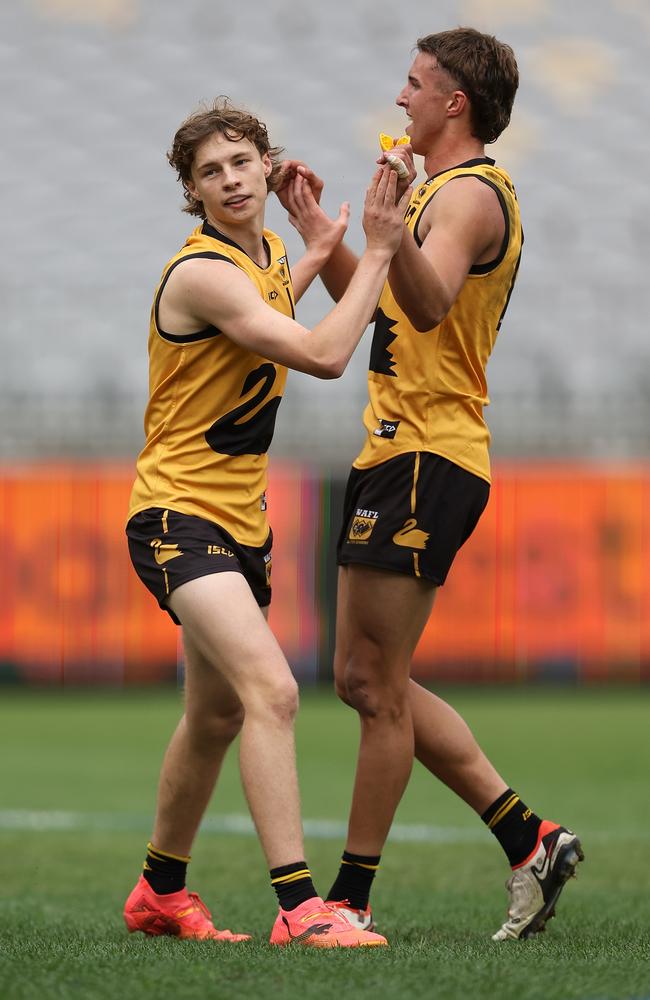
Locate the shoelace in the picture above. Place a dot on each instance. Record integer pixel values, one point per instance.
(338, 903)
(330, 915)
(316, 913)
(198, 904)
(336, 917)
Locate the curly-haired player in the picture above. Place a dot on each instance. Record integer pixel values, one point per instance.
(222, 335)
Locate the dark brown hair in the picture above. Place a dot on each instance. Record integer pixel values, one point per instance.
(233, 123)
(485, 69)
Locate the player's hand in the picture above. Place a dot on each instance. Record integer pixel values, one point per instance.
(403, 153)
(319, 232)
(289, 170)
(383, 212)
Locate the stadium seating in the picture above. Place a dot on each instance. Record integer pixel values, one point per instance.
(90, 207)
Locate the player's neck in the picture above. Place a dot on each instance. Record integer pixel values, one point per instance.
(249, 236)
(452, 151)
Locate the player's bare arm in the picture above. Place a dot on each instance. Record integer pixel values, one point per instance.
(338, 268)
(204, 291)
(463, 226)
(321, 234)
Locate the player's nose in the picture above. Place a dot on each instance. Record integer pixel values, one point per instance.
(230, 177)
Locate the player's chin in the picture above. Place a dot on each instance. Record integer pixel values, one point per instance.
(416, 145)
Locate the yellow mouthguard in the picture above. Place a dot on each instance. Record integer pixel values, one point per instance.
(387, 142)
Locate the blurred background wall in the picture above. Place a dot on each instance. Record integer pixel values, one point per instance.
(93, 92)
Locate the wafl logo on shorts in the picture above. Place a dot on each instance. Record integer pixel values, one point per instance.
(362, 524)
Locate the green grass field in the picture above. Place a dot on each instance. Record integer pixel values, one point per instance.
(77, 778)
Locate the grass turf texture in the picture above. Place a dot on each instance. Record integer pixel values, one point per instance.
(577, 756)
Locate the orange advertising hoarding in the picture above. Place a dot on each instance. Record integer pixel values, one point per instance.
(555, 582)
(72, 609)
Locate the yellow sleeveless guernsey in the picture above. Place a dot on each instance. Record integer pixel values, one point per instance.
(212, 405)
(427, 390)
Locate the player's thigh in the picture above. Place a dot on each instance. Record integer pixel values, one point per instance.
(226, 626)
(382, 616)
(211, 702)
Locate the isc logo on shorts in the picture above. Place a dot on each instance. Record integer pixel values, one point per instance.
(219, 550)
(362, 524)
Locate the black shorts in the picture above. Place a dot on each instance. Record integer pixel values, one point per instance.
(410, 514)
(168, 549)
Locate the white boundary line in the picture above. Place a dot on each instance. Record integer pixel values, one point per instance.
(47, 821)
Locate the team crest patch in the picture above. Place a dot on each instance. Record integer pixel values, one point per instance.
(284, 267)
(361, 527)
(268, 565)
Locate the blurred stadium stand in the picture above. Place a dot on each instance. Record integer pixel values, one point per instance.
(94, 90)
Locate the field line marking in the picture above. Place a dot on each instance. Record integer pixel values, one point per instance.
(52, 820)
(43, 820)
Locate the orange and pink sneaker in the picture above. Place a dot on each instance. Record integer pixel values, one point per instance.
(181, 914)
(314, 924)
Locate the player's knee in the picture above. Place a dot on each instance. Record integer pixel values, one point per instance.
(285, 702)
(373, 697)
(276, 700)
(340, 686)
(341, 689)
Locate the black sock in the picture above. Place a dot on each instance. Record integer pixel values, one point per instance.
(354, 879)
(514, 825)
(164, 872)
(293, 884)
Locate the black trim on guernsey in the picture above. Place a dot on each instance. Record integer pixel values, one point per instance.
(491, 264)
(293, 311)
(512, 283)
(208, 230)
(477, 162)
(187, 338)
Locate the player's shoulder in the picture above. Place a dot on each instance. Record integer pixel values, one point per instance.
(207, 277)
(463, 197)
(200, 246)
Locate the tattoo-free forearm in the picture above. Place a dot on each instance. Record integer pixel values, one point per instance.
(304, 272)
(338, 270)
(338, 334)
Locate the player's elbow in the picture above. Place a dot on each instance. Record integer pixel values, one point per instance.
(427, 319)
(427, 314)
(330, 368)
